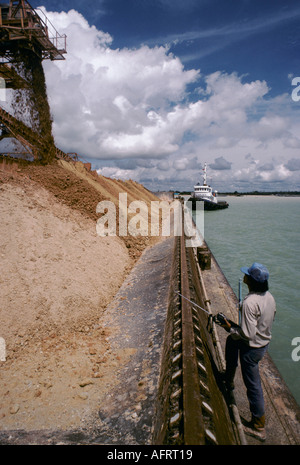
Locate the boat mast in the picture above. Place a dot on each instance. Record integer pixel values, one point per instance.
(204, 175)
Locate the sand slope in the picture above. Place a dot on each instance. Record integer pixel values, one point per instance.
(57, 278)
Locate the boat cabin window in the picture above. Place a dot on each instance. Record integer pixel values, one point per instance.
(202, 189)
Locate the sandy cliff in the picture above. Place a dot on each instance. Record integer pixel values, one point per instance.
(57, 277)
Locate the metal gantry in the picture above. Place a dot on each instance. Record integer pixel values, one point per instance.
(23, 26)
(26, 36)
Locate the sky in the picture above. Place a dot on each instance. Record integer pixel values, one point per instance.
(150, 90)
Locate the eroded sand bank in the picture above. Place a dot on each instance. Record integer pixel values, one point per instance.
(57, 278)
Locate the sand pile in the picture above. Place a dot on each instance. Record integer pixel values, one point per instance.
(57, 278)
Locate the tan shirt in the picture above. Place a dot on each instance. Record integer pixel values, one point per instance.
(257, 316)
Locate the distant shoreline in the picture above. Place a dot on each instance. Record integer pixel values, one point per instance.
(275, 194)
(254, 193)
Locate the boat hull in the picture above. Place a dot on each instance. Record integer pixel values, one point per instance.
(208, 205)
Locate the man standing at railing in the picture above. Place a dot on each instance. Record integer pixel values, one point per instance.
(250, 341)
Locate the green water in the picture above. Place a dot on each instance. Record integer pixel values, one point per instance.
(266, 230)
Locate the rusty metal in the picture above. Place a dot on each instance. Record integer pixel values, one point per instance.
(27, 32)
(29, 139)
(204, 258)
(192, 406)
(12, 127)
(194, 410)
(220, 358)
(66, 156)
(23, 26)
(11, 77)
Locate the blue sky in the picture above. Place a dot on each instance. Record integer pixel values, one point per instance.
(152, 89)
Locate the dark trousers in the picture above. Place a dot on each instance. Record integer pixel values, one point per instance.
(249, 359)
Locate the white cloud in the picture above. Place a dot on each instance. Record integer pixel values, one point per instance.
(111, 97)
(220, 164)
(115, 173)
(280, 173)
(270, 127)
(293, 164)
(121, 104)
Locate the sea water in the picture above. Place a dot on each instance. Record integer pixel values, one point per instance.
(264, 229)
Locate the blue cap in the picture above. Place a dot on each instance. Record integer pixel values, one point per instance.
(257, 271)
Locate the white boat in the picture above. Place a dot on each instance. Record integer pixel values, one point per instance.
(204, 193)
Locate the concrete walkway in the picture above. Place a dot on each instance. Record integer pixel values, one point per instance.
(139, 313)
